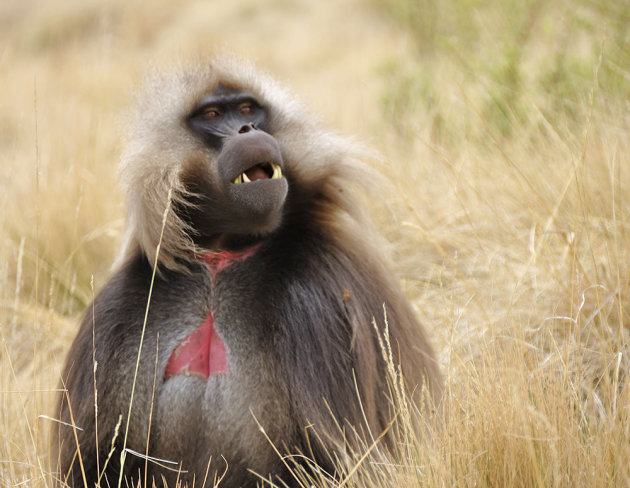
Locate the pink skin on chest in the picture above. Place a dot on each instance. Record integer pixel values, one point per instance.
(203, 352)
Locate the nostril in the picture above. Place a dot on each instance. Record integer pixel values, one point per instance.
(246, 128)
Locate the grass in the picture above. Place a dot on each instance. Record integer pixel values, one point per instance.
(504, 129)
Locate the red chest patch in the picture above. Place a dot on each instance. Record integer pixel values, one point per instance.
(217, 261)
(203, 352)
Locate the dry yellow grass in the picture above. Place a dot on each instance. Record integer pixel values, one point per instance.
(510, 233)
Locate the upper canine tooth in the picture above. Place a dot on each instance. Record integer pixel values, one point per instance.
(245, 178)
(239, 179)
(277, 171)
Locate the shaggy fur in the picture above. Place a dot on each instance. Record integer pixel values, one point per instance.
(296, 316)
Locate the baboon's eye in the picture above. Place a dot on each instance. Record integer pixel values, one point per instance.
(245, 108)
(211, 112)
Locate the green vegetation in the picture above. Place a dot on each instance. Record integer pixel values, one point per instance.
(510, 58)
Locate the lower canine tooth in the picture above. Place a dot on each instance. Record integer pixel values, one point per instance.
(245, 178)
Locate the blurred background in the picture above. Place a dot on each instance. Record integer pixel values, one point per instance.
(503, 128)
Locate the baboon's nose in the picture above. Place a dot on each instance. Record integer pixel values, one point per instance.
(246, 128)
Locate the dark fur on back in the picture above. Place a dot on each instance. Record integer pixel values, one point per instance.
(296, 316)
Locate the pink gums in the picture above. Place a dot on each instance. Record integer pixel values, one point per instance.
(203, 352)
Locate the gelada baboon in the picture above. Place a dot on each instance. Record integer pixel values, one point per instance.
(262, 307)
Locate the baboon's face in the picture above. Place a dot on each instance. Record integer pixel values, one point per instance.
(239, 187)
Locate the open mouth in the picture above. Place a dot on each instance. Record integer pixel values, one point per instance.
(261, 171)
